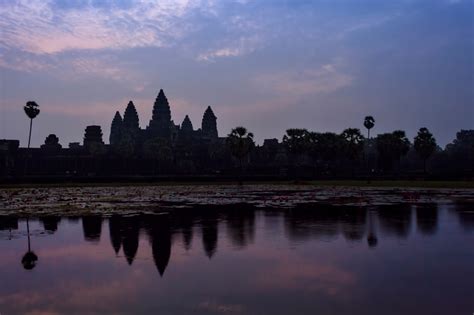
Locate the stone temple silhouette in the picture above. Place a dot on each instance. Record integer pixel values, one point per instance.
(161, 126)
(166, 150)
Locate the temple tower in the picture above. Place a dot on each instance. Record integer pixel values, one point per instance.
(161, 124)
(209, 124)
(93, 138)
(187, 125)
(116, 129)
(130, 118)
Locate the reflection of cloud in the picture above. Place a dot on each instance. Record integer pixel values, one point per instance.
(104, 297)
(221, 308)
(295, 272)
(312, 277)
(325, 79)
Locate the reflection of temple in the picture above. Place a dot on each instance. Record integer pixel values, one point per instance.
(8, 223)
(209, 231)
(159, 235)
(92, 227)
(50, 223)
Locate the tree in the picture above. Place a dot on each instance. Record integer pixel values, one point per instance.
(353, 144)
(353, 141)
(240, 143)
(295, 141)
(461, 152)
(425, 145)
(391, 147)
(329, 145)
(31, 110)
(369, 123)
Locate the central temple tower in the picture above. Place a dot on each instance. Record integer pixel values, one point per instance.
(160, 123)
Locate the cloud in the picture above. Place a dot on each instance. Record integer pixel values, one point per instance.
(39, 27)
(18, 62)
(324, 79)
(242, 46)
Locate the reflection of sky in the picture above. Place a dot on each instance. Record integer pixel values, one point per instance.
(317, 64)
(271, 273)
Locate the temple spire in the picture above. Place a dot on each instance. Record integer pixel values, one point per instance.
(161, 108)
(209, 123)
(161, 124)
(130, 118)
(187, 125)
(116, 129)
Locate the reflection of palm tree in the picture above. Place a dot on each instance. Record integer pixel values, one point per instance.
(241, 227)
(395, 219)
(353, 223)
(372, 236)
(30, 259)
(427, 218)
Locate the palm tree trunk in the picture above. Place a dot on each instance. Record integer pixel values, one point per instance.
(27, 161)
(240, 171)
(29, 135)
(367, 156)
(28, 232)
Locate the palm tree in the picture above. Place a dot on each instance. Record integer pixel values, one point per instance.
(369, 123)
(296, 142)
(391, 147)
(353, 142)
(425, 145)
(240, 143)
(32, 110)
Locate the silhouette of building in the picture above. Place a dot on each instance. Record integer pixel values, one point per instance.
(161, 126)
(166, 149)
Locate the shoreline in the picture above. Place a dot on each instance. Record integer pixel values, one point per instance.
(138, 182)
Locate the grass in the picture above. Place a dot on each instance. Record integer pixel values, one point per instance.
(328, 183)
(396, 183)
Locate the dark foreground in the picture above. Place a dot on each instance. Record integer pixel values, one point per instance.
(388, 252)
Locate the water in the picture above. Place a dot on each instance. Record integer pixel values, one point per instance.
(312, 259)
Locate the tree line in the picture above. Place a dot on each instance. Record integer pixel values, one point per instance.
(389, 152)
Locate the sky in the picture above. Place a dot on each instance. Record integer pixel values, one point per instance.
(268, 65)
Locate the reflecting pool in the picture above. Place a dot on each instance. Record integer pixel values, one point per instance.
(241, 259)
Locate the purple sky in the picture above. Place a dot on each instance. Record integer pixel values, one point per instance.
(267, 65)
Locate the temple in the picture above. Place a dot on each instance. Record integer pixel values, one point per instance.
(166, 150)
(161, 127)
